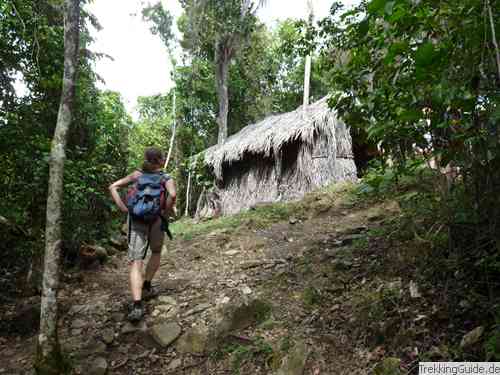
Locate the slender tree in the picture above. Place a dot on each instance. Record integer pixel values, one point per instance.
(221, 27)
(49, 357)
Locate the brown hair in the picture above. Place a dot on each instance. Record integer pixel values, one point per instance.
(153, 158)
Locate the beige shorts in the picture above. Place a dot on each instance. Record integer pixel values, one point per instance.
(141, 236)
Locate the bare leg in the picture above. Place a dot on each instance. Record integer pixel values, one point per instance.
(152, 266)
(136, 279)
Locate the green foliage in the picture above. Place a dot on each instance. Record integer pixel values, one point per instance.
(31, 39)
(160, 22)
(259, 349)
(420, 78)
(311, 296)
(492, 344)
(153, 128)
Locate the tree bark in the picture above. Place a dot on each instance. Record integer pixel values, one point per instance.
(49, 357)
(222, 60)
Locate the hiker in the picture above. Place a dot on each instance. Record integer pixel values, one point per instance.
(150, 199)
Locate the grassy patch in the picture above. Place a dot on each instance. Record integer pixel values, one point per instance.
(258, 350)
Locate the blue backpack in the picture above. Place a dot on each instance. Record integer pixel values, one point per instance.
(146, 199)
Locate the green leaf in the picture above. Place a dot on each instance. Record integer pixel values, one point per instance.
(425, 55)
(376, 6)
(389, 7)
(363, 28)
(394, 50)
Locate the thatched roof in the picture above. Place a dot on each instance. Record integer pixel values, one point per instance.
(268, 136)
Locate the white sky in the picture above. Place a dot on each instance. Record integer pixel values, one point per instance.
(140, 65)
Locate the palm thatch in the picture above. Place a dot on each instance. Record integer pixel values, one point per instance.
(282, 157)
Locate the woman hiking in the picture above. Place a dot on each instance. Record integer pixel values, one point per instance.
(150, 199)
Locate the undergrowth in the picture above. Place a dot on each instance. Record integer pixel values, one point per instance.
(438, 243)
(261, 217)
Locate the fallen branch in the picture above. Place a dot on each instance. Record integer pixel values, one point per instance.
(121, 364)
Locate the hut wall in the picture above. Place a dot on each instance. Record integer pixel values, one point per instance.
(300, 169)
(315, 166)
(248, 182)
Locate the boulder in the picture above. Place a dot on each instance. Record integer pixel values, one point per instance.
(240, 314)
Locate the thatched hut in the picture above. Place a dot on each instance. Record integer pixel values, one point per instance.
(282, 157)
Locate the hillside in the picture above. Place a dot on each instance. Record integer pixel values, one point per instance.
(325, 284)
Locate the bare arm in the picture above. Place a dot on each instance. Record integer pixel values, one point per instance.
(113, 189)
(171, 198)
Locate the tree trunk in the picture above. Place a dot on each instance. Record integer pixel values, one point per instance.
(172, 138)
(307, 68)
(307, 80)
(49, 357)
(222, 59)
(188, 190)
(494, 37)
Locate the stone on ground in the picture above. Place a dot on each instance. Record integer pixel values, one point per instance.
(240, 314)
(295, 362)
(98, 367)
(194, 341)
(108, 336)
(166, 333)
(472, 337)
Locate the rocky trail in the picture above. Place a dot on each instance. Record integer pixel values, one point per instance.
(319, 292)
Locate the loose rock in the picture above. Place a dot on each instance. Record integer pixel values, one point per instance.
(472, 337)
(165, 334)
(295, 362)
(108, 336)
(194, 341)
(98, 367)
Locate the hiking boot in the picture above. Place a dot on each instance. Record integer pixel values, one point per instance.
(149, 293)
(136, 314)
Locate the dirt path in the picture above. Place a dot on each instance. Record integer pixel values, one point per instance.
(301, 266)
